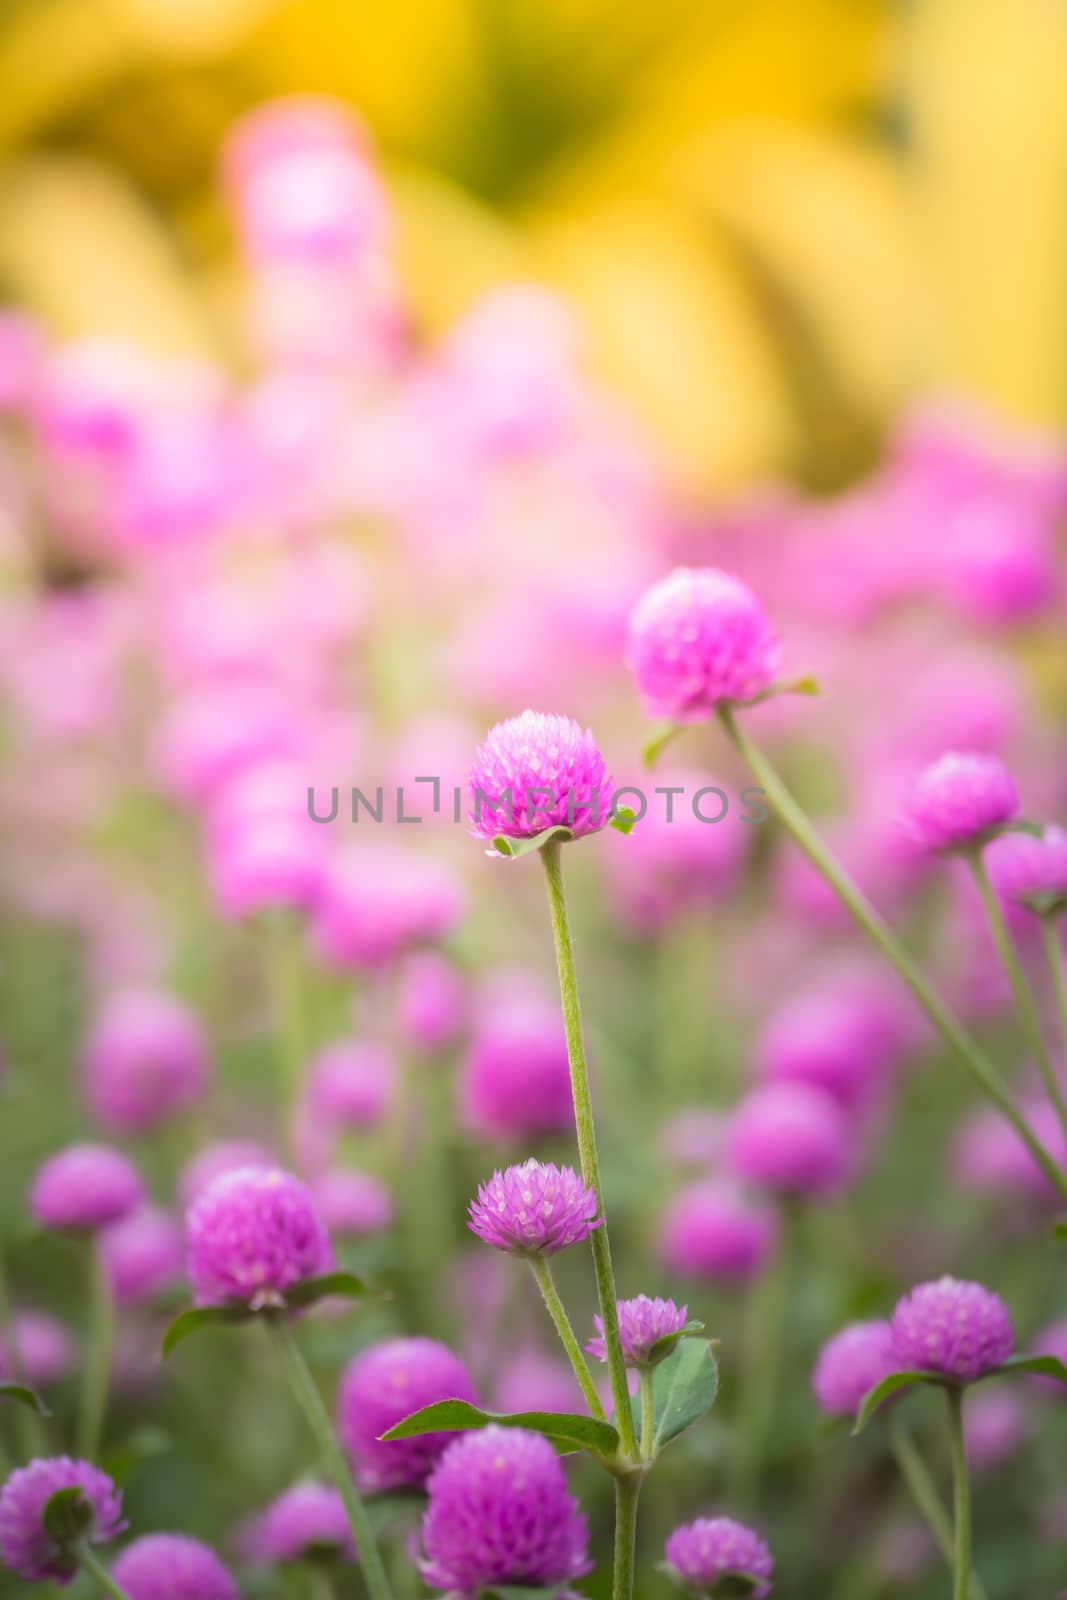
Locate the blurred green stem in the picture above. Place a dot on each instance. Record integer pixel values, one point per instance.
(97, 1374)
(307, 1394)
(961, 1496)
(567, 1337)
(923, 1491)
(1020, 987)
(1050, 938)
(95, 1567)
(764, 1327)
(795, 820)
(285, 983)
(587, 1151)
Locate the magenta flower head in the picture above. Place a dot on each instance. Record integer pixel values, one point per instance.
(831, 1038)
(83, 1188)
(712, 1230)
(431, 1004)
(27, 1546)
(44, 1347)
(145, 1060)
(379, 1388)
(251, 1235)
(697, 639)
(171, 1566)
(792, 1139)
(642, 1323)
(701, 1554)
(349, 1084)
(377, 902)
(959, 801)
(306, 1523)
(499, 1512)
(538, 771)
(142, 1255)
(959, 1330)
(516, 1080)
(352, 1204)
(1030, 872)
(850, 1365)
(534, 1209)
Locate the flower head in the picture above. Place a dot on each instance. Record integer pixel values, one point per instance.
(306, 1521)
(142, 1254)
(959, 800)
(380, 1387)
(516, 1078)
(376, 903)
(1028, 871)
(251, 1235)
(349, 1084)
(26, 1545)
(499, 1512)
(790, 1138)
(431, 1002)
(352, 1203)
(145, 1059)
(960, 1330)
(536, 771)
(534, 1209)
(713, 1230)
(699, 638)
(850, 1364)
(85, 1187)
(171, 1566)
(703, 1552)
(642, 1322)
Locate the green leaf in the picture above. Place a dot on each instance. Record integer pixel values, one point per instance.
(662, 736)
(346, 1285)
(882, 1391)
(201, 1317)
(566, 1431)
(683, 1388)
(624, 821)
(524, 847)
(663, 1347)
(24, 1396)
(67, 1515)
(1044, 1366)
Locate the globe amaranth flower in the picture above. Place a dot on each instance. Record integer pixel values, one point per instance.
(145, 1060)
(701, 1553)
(349, 1084)
(352, 1204)
(713, 1230)
(958, 801)
(1030, 871)
(431, 1003)
(26, 1545)
(697, 639)
(792, 1139)
(251, 1235)
(537, 771)
(959, 1330)
(380, 1387)
(642, 1322)
(850, 1365)
(499, 1512)
(305, 1523)
(142, 1255)
(536, 1208)
(85, 1187)
(43, 1347)
(171, 1566)
(515, 1080)
(376, 903)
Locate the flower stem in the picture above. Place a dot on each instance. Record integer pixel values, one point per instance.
(310, 1401)
(95, 1567)
(1020, 987)
(97, 1374)
(923, 1491)
(627, 1490)
(587, 1152)
(1050, 938)
(562, 1323)
(961, 1495)
(796, 822)
(647, 1417)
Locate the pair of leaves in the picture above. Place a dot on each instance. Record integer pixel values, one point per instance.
(666, 732)
(24, 1396)
(503, 845)
(567, 1431)
(298, 1297)
(1043, 1366)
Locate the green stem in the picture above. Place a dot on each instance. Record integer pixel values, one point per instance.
(961, 1496)
(587, 1151)
(307, 1394)
(796, 822)
(567, 1337)
(764, 1328)
(285, 985)
(923, 1491)
(1050, 938)
(1020, 987)
(647, 1416)
(627, 1491)
(97, 1374)
(93, 1565)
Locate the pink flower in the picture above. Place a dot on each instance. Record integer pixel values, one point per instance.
(536, 771)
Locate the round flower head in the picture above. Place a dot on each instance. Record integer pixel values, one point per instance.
(349, 1084)
(531, 1381)
(791, 1139)
(44, 1347)
(712, 1230)
(85, 1187)
(957, 801)
(380, 1387)
(145, 1060)
(830, 1038)
(431, 1002)
(537, 771)
(307, 1522)
(142, 1254)
(171, 1566)
(251, 1235)
(352, 1204)
(534, 1209)
(701, 1553)
(850, 1364)
(1028, 871)
(960, 1330)
(26, 1546)
(499, 1512)
(696, 639)
(642, 1321)
(377, 902)
(516, 1078)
